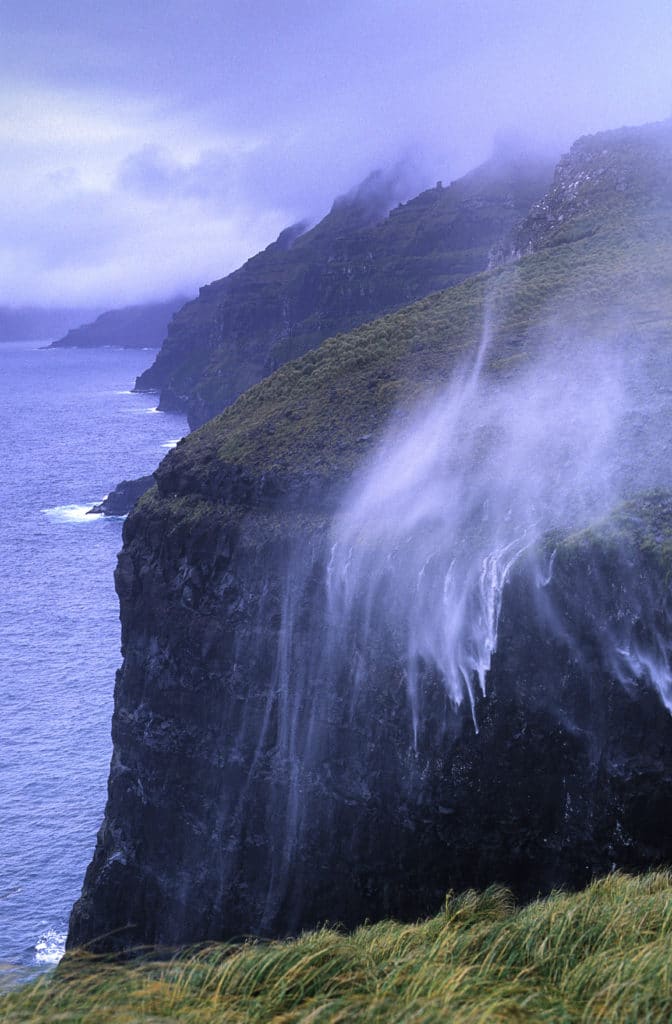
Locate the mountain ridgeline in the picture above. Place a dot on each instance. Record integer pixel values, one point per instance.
(398, 620)
(359, 262)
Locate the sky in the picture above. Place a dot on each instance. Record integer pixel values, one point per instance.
(151, 146)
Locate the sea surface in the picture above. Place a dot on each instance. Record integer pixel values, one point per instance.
(71, 430)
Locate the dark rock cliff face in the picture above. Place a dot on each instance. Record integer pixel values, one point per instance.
(354, 265)
(257, 788)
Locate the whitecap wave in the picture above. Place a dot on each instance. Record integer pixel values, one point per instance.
(50, 947)
(171, 444)
(71, 513)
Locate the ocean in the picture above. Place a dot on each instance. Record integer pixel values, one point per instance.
(71, 430)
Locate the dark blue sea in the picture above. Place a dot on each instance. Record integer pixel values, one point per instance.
(71, 429)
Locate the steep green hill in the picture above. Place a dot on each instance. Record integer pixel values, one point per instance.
(355, 264)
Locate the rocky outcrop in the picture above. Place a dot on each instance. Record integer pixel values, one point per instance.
(357, 263)
(593, 181)
(121, 500)
(131, 327)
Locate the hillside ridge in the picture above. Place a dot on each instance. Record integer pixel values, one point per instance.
(359, 262)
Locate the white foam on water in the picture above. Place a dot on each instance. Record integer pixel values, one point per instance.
(171, 444)
(135, 410)
(50, 947)
(71, 513)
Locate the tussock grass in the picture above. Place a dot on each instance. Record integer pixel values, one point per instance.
(601, 955)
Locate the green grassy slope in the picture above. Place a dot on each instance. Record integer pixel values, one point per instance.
(319, 412)
(599, 955)
(354, 265)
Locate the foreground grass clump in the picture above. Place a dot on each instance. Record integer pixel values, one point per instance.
(599, 955)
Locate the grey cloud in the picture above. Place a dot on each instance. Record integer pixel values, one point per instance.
(325, 92)
(152, 171)
(78, 230)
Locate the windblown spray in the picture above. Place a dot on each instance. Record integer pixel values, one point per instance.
(432, 527)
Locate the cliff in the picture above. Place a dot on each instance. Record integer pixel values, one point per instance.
(226, 818)
(283, 753)
(141, 326)
(357, 263)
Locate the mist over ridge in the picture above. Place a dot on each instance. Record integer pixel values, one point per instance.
(369, 255)
(469, 487)
(145, 155)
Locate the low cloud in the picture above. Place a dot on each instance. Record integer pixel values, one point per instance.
(144, 154)
(153, 172)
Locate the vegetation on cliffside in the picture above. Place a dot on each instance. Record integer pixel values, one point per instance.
(598, 955)
(319, 413)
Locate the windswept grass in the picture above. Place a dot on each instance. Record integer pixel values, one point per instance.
(602, 955)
